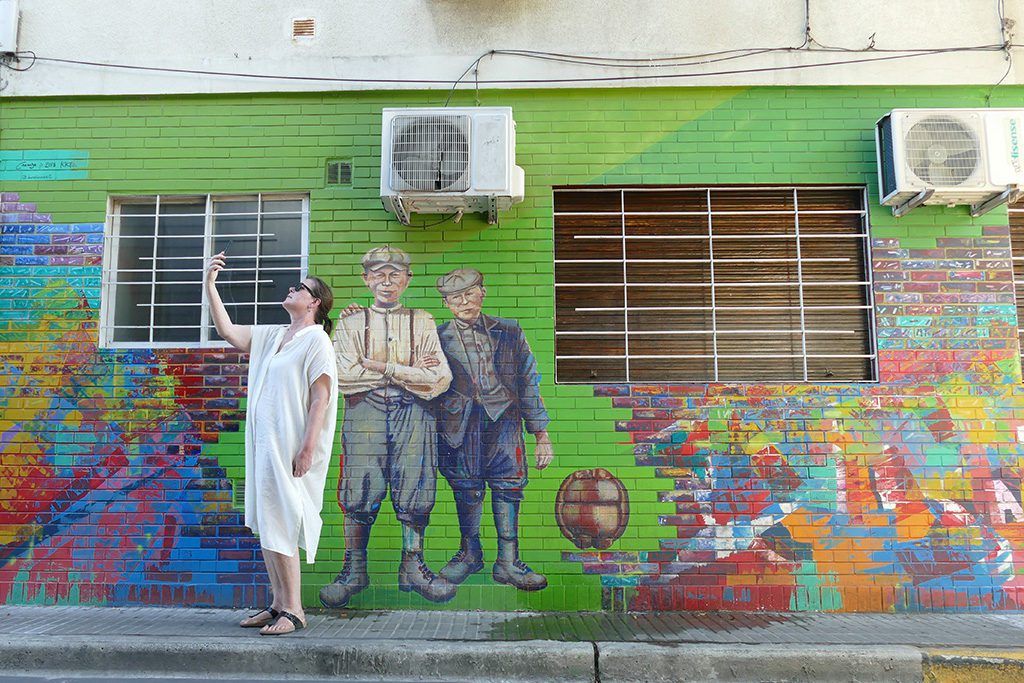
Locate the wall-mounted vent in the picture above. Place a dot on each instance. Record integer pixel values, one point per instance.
(339, 173)
(303, 28)
(238, 494)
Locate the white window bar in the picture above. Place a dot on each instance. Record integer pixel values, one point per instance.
(750, 236)
(721, 355)
(837, 212)
(773, 283)
(800, 279)
(660, 333)
(625, 279)
(152, 291)
(714, 310)
(721, 308)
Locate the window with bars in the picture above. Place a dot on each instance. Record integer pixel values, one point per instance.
(709, 284)
(1016, 219)
(157, 248)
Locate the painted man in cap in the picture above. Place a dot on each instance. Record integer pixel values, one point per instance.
(389, 436)
(495, 391)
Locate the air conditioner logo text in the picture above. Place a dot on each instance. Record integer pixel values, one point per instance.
(1014, 146)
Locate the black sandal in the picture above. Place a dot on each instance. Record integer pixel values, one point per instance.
(274, 614)
(296, 622)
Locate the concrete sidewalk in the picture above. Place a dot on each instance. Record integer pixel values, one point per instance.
(497, 646)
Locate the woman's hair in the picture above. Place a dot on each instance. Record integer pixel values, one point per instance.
(323, 292)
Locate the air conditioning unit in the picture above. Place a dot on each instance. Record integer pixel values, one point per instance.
(449, 159)
(949, 157)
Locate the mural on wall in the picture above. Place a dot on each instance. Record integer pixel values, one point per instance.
(390, 366)
(419, 399)
(592, 508)
(901, 496)
(105, 495)
(495, 392)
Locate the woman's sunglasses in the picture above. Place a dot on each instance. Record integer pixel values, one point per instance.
(302, 285)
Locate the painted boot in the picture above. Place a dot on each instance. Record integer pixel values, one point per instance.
(508, 568)
(353, 577)
(414, 574)
(470, 557)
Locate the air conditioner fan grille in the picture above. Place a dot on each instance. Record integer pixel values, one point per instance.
(942, 150)
(430, 153)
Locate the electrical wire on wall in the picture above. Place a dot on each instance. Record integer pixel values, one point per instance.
(1006, 27)
(657, 68)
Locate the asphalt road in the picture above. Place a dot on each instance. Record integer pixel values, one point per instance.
(71, 677)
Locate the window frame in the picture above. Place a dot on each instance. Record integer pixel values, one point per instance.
(867, 304)
(1012, 211)
(110, 272)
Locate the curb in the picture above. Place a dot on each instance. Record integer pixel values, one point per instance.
(741, 662)
(382, 659)
(968, 665)
(513, 661)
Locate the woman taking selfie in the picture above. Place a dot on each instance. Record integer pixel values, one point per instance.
(289, 431)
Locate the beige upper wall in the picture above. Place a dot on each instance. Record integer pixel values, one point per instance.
(438, 39)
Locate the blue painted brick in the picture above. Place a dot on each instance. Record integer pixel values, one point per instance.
(13, 250)
(30, 260)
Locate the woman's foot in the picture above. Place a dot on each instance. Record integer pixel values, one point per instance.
(286, 623)
(261, 618)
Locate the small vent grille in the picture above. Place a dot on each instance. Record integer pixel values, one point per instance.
(238, 494)
(303, 28)
(888, 162)
(339, 172)
(942, 151)
(430, 153)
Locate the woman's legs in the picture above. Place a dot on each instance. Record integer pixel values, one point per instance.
(287, 589)
(263, 616)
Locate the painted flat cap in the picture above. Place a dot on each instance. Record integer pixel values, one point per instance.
(378, 257)
(458, 280)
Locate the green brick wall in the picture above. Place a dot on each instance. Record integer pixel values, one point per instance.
(281, 142)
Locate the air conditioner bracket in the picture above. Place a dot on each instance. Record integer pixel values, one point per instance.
(912, 203)
(401, 212)
(492, 210)
(1007, 196)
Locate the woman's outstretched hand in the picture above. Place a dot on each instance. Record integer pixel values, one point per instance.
(217, 264)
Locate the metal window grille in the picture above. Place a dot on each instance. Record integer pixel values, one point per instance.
(156, 251)
(712, 284)
(1016, 220)
(339, 173)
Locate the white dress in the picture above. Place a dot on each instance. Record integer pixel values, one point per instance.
(283, 510)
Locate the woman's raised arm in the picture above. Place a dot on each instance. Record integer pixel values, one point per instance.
(239, 336)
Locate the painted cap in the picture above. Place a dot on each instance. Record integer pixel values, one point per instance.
(378, 257)
(458, 280)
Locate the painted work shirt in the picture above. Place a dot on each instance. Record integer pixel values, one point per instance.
(282, 509)
(396, 336)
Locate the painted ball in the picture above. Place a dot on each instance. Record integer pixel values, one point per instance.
(592, 508)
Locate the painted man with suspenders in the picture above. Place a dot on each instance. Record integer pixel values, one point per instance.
(390, 365)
